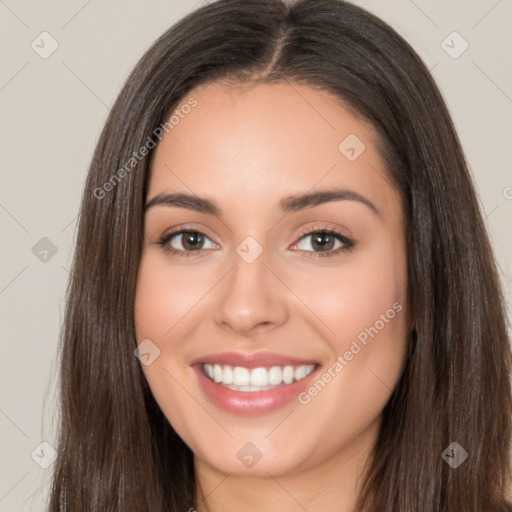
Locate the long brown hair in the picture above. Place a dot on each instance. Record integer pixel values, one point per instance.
(116, 450)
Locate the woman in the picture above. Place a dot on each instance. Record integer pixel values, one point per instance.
(283, 295)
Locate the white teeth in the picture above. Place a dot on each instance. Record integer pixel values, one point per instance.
(275, 375)
(259, 377)
(241, 376)
(300, 372)
(217, 373)
(288, 374)
(227, 375)
(256, 379)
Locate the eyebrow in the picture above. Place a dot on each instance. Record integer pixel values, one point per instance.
(287, 205)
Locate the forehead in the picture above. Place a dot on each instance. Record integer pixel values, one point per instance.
(266, 141)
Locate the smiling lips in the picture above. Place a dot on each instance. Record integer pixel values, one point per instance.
(252, 383)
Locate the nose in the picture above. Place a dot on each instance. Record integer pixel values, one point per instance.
(251, 298)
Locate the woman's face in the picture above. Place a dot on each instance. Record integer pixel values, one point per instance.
(310, 326)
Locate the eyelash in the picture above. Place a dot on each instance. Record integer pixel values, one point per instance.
(347, 243)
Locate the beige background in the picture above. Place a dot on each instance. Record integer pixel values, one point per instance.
(52, 111)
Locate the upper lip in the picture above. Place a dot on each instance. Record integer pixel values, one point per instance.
(252, 360)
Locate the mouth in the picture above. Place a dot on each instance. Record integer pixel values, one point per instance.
(253, 384)
(248, 380)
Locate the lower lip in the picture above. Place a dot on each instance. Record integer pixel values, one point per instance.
(251, 402)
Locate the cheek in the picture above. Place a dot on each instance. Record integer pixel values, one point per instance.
(363, 313)
(164, 296)
(352, 298)
(152, 298)
(162, 299)
(147, 301)
(361, 308)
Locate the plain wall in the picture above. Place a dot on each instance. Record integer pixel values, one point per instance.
(52, 111)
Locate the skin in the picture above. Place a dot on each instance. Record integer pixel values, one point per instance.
(246, 149)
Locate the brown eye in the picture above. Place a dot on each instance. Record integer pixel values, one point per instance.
(185, 242)
(324, 243)
(192, 240)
